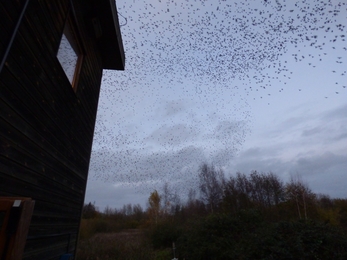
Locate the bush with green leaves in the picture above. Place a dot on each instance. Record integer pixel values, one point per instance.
(247, 236)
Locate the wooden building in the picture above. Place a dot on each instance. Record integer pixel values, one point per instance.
(52, 55)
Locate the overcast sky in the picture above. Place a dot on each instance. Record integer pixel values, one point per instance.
(244, 85)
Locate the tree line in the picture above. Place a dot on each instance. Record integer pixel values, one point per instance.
(254, 216)
(265, 192)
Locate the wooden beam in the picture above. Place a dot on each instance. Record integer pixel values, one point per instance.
(16, 226)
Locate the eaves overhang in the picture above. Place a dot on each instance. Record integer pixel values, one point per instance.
(108, 34)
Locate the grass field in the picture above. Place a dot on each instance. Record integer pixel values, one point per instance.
(126, 244)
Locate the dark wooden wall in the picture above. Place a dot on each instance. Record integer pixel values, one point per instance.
(46, 129)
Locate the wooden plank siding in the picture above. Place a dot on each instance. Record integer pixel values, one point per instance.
(46, 127)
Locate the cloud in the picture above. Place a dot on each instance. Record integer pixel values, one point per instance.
(228, 129)
(257, 160)
(324, 163)
(325, 173)
(137, 168)
(112, 195)
(312, 145)
(321, 164)
(341, 136)
(337, 113)
(312, 131)
(169, 136)
(174, 107)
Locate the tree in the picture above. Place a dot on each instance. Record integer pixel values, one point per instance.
(89, 211)
(194, 207)
(299, 193)
(266, 189)
(258, 190)
(137, 212)
(237, 193)
(211, 184)
(154, 206)
(170, 199)
(341, 204)
(166, 198)
(108, 211)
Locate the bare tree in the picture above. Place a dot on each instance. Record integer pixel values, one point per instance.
(300, 193)
(109, 211)
(137, 212)
(165, 198)
(211, 185)
(258, 189)
(266, 189)
(170, 200)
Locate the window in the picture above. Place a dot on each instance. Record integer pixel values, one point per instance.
(70, 52)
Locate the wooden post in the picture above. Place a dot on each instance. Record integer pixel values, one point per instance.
(15, 224)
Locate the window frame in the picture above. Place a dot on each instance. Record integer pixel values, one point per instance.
(71, 32)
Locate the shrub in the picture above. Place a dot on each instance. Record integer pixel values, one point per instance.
(164, 234)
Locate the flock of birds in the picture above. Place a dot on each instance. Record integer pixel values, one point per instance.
(183, 58)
